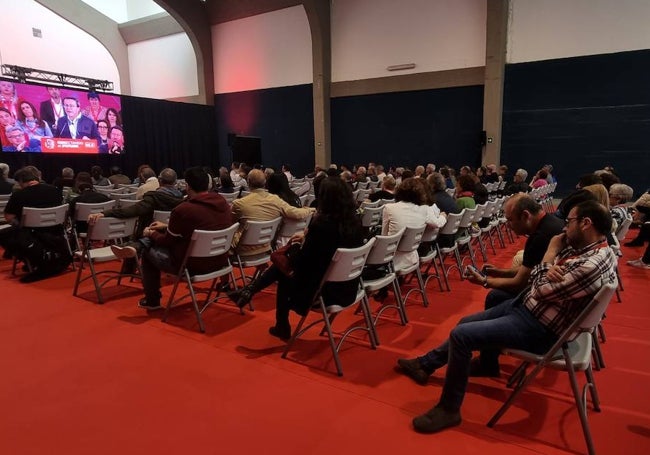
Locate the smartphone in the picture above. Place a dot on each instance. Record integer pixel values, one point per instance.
(473, 269)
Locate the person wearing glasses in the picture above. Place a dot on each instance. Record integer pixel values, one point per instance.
(74, 124)
(102, 129)
(574, 268)
(19, 143)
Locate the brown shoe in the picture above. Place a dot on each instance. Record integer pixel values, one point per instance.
(435, 420)
(413, 369)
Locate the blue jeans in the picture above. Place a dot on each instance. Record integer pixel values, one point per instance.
(155, 260)
(508, 325)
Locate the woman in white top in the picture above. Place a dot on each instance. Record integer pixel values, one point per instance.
(410, 210)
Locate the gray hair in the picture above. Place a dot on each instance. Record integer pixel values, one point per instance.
(168, 176)
(622, 191)
(4, 170)
(523, 173)
(437, 181)
(67, 172)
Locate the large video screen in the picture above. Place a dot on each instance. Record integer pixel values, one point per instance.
(48, 119)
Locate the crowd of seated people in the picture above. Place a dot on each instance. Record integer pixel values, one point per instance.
(570, 242)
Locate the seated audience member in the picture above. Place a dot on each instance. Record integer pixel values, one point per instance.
(335, 225)
(164, 198)
(387, 190)
(149, 182)
(260, 205)
(608, 178)
(577, 196)
(66, 179)
(465, 187)
(573, 269)
(525, 217)
(4, 173)
(619, 195)
(286, 170)
(438, 194)
(279, 185)
(18, 141)
(117, 177)
(360, 175)
(450, 179)
(430, 169)
(5, 186)
(116, 141)
(371, 173)
(503, 173)
(518, 184)
(641, 208)
(102, 142)
(491, 176)
(644, 236)
(550, 178)
(539, 180)
(410, 210)
(419, 171)
(97, 177)
(346, 176)
(84, 192)
(317, 181)
(481, 173)
(201, 210)
(30, 123)
(226, 184)
(45, 248)
(600, 193)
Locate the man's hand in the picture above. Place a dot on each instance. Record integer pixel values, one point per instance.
(487, 269)
(474, 277)
(158, 226)
(93, 217)
(555, 274)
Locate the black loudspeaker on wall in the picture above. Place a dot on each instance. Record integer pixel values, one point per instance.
(483, 138)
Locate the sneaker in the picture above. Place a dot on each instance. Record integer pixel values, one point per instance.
(413, 369)
(435, 420)
(639, 264)
(155, 305)
(476, 370)
(124, 252)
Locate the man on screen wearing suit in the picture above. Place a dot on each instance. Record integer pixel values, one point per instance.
(52, 109)
(75, 125)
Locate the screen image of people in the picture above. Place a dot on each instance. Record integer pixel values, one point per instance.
(66, 120)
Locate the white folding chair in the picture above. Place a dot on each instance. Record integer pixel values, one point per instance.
(255, 234)
(290, 227)
(450, 228)
(106, 229)
(346, 265)
(571, 352)
(162, 216)
(410, 242)
(35, 218)
(381, 255)
(81, 212)
(204, 244)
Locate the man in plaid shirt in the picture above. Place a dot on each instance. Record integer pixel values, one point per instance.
(575, 266)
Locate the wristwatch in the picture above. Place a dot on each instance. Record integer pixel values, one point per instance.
(485, 283)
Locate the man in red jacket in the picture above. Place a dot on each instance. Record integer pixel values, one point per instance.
(201, 210)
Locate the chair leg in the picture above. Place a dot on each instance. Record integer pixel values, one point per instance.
(600, 361)
(580, 403)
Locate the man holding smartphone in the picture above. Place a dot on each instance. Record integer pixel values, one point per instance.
(575, 266)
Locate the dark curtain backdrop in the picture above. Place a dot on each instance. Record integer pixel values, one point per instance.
(579, 114)
(159, 133)
(440, 126)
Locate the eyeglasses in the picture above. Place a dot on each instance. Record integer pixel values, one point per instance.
(102, 126)
(568, 220)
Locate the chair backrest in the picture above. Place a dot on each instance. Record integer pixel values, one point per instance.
(362, 194)
(593, 313)
(451, 191)
(347, 263)
(411, 239)
(373, 185)
(83, 209)
(128, 185)
(43, 217)
(109, 228)
(384, 248)
(453, 222)
(467, 218)
(371, 216)
(258, 233)
(366, 204)
(430, 234)
(104, 189)
(211, 243)
(162, 216)
(362, 185)
(386, 201)
(291, 226)
(3, 204)
(480, 210)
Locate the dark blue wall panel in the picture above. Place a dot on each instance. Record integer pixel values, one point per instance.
(282, 117)
(580, 114)
(409, 128)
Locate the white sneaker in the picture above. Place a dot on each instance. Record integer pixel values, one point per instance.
(123, 252)
(638, 263)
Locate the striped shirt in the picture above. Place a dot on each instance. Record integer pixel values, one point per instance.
(556, 305)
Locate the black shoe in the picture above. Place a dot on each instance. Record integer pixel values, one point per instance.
(436, 419)
(241, 297)
(153, 305)
(634, 242)
(284, 333)
(413, 369)
(476, 370)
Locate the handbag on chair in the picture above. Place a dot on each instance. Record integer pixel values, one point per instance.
(284, 258)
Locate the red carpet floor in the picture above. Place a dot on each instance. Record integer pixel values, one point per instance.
(80, 378)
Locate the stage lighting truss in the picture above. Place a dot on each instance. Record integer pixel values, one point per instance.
(22, 74)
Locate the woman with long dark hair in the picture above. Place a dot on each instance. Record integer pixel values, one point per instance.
(335, 225)
(279, 184)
